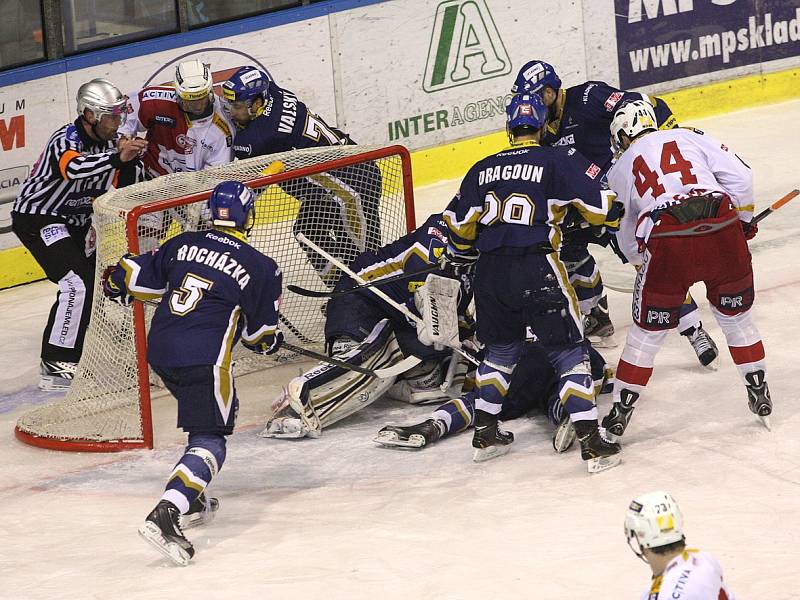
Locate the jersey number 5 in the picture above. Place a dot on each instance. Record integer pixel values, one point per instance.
(672, 161)
(184, 300)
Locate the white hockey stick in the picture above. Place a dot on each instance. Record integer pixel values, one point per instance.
(379, 293)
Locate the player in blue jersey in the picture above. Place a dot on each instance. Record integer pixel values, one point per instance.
(339, 209)
(364, 330)
(216, 290)
(580, 117)
(505, 222)
(533, 389)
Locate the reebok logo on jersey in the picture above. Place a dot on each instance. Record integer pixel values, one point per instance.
(593, 171)
(612, 100)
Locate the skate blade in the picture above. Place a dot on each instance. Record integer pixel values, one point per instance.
(603, 342)
(391, 439)
(199, 518)
(54, 384)
(765, 422)
(152, 535)
(282, 434)
(564, 436)
(484, 454)
(603, 463)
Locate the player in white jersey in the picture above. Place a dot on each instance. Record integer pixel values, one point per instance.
(654, 529)
(187, 130)
(688, 206)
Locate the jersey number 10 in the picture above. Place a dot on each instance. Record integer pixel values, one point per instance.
(672, 161)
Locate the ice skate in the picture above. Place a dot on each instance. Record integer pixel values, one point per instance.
(201, 512)
(297, 419)
(758, 398)
(617, 419)
(704, 347)
(414, 436)
(162, 530)
(564, 435)
(56, 375)
(599, 453)
(488, 439)
(597, 326)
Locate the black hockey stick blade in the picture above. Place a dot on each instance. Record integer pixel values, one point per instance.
(775, 205)
(331, 294)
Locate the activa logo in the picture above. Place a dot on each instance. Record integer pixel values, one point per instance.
(668, 8)
(465, 46)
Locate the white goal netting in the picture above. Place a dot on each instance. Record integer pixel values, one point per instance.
(347, 199)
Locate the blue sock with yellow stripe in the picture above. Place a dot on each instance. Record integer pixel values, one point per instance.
(202, 459)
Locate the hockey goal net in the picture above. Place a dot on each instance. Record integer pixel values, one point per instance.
(346, 198)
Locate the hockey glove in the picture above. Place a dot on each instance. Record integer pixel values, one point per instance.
(113, 279)
(267, 345)
(750, 229)
(458, 263)
(615, 213)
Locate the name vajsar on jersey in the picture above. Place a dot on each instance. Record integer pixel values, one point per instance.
(525, 172)
(222, 261)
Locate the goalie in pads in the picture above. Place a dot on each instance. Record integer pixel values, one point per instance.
(363, 330)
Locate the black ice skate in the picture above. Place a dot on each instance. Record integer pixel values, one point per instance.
(201, 512)
(704, 346)
(599, 453)
(758, 397)
(413, 436)
(597, 326)
(162, 530)
(617, 419)
(56, 375)
(488, 439)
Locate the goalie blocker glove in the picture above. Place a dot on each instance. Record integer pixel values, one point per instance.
(114, 288)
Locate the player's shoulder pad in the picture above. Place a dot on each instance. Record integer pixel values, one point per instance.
(223, 126)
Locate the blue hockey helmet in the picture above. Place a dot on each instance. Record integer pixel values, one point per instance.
(534, 76)
(525, 110)
(232, 204)
(246, 84)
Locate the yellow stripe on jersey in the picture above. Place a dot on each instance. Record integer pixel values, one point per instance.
(223, 373)
(466, 229)
(139, 292)
(394, 265)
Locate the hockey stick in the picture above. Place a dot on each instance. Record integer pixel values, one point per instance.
(775, 206)
(383, 373)
(379, 293)
(333, 294)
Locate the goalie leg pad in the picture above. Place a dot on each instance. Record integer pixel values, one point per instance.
(421, 385)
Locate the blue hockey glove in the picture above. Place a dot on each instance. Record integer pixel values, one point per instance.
(113, 280)
(458, 263)
(615, 213)
(267, 345)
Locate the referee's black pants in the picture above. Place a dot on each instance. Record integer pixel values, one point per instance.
(60, 249)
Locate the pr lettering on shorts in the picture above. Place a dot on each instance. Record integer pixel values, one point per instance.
(736, 301)
(660, 318)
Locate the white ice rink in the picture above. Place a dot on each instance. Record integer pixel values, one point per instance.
(339, 518)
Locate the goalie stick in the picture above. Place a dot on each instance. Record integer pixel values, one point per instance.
(333, 294)
(383, 373)
(401, 308)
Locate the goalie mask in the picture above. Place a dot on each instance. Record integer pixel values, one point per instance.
(194, 88)
(653, 520)
(232, 204)
(633, 119)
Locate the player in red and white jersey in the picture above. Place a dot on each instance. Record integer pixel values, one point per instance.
(186, 129)
(688, 206)
(654, 528)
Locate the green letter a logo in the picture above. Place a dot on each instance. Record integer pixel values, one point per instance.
(465, 46)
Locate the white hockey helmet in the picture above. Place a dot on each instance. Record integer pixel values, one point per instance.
(632, 119)
(102, 98)
(653, 520)
(193, 80)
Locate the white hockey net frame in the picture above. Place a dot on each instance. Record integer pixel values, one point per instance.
(353, 198)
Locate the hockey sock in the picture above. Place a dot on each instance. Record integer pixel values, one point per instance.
(688, 316)
(744, 341)
(575, 385)
(494, 375)
(202, 459)
(457, 414)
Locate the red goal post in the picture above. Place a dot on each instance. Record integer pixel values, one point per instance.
(355, 197)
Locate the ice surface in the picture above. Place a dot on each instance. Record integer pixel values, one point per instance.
(340, 518)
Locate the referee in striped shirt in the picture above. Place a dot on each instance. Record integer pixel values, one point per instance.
(52, 217)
